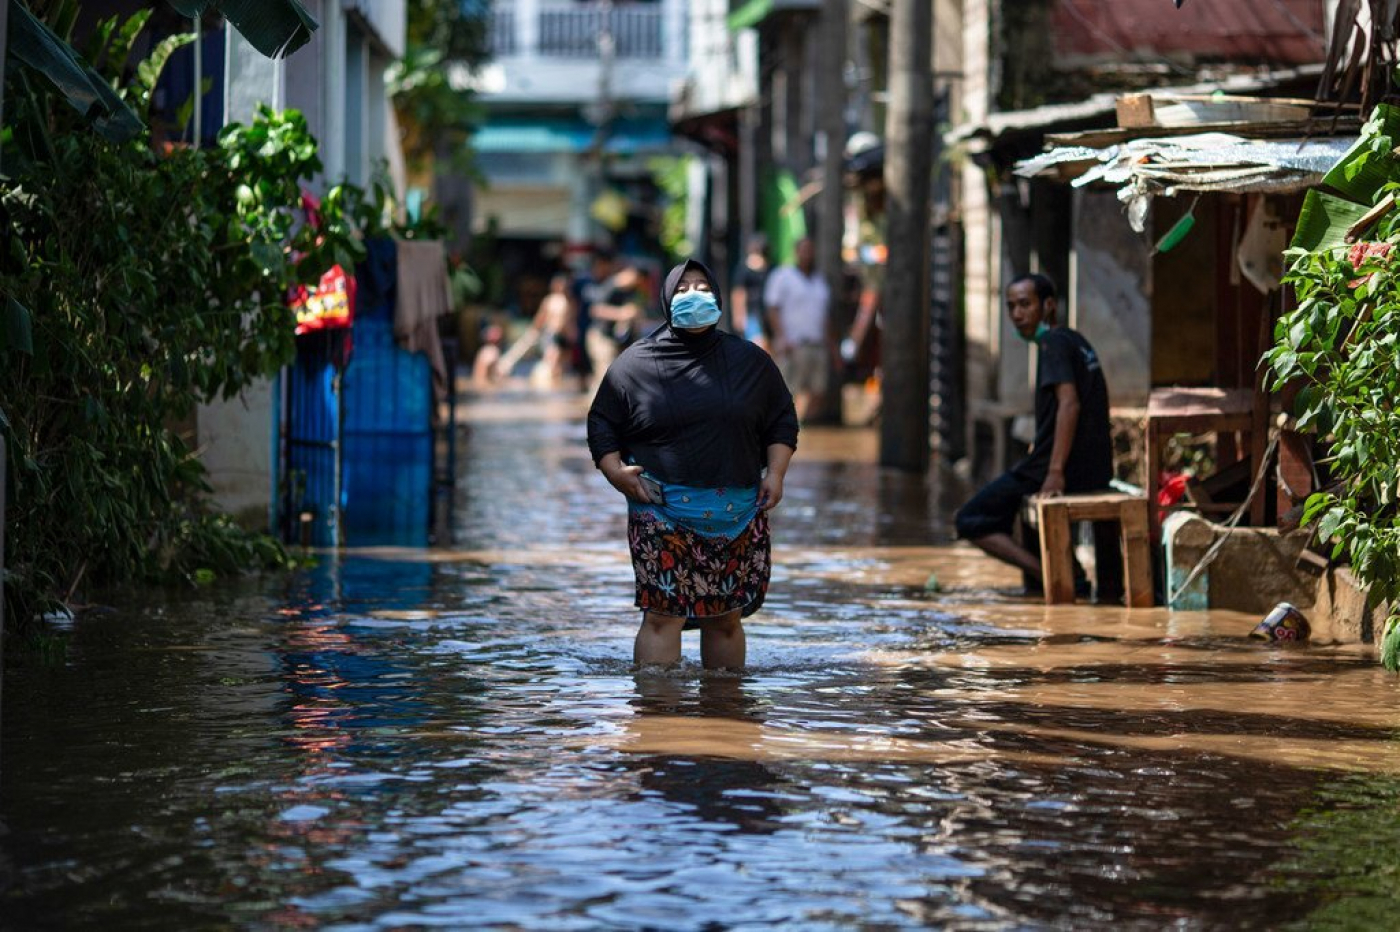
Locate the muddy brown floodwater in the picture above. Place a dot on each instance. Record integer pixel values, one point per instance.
(453, 738)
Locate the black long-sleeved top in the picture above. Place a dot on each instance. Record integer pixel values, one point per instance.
(692, 409)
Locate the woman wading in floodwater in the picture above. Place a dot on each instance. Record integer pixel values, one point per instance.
(696, 428)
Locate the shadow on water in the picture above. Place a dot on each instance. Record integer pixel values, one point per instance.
(455, 738)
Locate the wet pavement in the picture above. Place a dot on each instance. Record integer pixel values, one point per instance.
(454, 738)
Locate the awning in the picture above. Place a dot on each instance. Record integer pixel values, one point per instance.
(749, 15)
(752, 12)
(1201, 162)
(1098, 109)
(1207, 162)
(566, 134)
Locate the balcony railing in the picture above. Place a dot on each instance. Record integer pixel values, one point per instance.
(575, 31)
(503, 38)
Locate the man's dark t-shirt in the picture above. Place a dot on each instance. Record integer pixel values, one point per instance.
(752, 281)
(623, 333)
(1066, 357)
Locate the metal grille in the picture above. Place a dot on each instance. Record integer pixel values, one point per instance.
(576, 33)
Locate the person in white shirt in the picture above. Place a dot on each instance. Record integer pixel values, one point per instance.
(797, 301)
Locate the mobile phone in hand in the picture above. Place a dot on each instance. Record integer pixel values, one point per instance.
(654, 490)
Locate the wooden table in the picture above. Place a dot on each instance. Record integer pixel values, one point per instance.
(1201, 410)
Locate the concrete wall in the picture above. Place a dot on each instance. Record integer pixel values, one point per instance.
(1184, 315)
(303, 89)
(1112, 286)
(981, 275)
(722, 67)
(237, 437)
(385, 21)
(1256, 568)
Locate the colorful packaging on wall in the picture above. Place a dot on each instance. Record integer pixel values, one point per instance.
(330, 306)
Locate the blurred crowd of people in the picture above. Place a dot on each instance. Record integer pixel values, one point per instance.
(584, 320)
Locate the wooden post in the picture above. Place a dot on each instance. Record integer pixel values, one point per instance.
(904, 424)
(1056, 554)
(1137, 554)
(830, 83)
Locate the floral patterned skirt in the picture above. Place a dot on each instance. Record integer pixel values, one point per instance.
(688, 574)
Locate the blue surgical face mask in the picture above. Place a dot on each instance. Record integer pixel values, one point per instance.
(1041, 329)
(694, 309)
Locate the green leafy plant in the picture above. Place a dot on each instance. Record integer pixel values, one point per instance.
(137, 284)
(671, 175)
(436, 110)
(1338, 350)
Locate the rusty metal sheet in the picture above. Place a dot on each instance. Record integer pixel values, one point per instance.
(1149, 31)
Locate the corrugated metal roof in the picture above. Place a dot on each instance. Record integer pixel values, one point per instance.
(1204, 162)
(1052, 116)
(1273, 31)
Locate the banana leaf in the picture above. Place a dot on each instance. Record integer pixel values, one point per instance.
(1360, 173)
(277, 28)
(36, 46)
(1324, 221)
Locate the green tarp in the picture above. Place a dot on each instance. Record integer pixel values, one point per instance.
(782, 218)
(749, 15)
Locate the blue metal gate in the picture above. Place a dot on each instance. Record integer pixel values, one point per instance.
(388, 438)
(311, 480)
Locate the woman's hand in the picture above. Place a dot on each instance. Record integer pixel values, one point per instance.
(770, 487)
(626, 479)
(770, 491)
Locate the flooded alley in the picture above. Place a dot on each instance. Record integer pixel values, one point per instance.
(454, 737)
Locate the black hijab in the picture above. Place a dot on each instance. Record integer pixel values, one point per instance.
(697, 409)
(671, 340)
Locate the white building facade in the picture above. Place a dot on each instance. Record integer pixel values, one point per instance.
(576, 96)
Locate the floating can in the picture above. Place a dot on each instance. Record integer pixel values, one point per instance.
(1284, 623)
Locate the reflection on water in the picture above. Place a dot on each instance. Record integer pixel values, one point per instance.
(455, 739)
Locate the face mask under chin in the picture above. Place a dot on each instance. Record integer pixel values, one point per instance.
(1041, 329)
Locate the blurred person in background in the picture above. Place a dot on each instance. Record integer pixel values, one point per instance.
(798, 302)
(614, 319)
(748, 317)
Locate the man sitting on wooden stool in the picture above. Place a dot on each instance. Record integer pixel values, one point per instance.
(1073, 450)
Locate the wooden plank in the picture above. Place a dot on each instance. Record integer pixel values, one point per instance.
(1135, 110)
(1095, 511)
(1181, 402)
(1056, 559)
(1092, 498)
(1137, 555)
(1102, 138)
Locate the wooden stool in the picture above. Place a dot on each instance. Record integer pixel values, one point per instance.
(1054, 517)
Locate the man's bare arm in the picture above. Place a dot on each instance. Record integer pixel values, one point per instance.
(1066, 421)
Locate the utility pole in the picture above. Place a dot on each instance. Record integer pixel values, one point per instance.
(831, 92)
(904, 421)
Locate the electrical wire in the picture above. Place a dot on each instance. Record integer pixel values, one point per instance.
(1230, 526)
